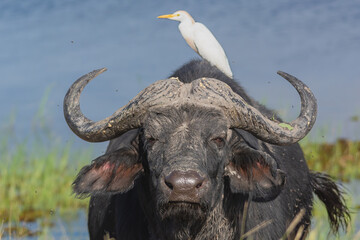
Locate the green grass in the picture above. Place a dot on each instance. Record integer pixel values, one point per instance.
(35, 182)
(341, 159)
(38, 181)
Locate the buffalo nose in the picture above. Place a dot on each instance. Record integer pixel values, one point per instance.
(184, 186)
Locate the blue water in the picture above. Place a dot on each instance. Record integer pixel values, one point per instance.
(75, 228)
(65, 227)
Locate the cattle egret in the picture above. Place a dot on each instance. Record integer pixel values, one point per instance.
(201, 40)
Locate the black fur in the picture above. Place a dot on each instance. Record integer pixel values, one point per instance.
(332, 196)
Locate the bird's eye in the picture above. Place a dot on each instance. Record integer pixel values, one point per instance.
(178, 14)
(219, 141)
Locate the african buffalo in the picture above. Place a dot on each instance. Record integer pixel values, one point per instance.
(194, 157)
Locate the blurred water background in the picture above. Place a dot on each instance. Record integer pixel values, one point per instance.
(49, 44)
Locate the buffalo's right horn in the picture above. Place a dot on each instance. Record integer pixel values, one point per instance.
(124, 119)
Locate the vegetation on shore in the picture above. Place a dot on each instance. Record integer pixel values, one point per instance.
(340, 160)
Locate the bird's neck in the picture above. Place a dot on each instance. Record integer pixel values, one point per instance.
(186, 30)
(186, 26)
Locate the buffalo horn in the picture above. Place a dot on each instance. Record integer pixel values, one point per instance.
(124, 119)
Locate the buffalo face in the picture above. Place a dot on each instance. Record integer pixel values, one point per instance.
(185, 152)
(183, 157)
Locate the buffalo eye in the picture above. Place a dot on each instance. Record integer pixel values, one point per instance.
(150, 141)
(219, 141)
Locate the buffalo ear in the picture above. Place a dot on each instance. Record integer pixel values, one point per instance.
(114, 172)
(253, 172)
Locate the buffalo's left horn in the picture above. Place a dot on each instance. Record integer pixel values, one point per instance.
(244, 116)
(277, 133)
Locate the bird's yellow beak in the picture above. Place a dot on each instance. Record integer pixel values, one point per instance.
(167, 16)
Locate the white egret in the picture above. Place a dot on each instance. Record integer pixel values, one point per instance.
(199, 38)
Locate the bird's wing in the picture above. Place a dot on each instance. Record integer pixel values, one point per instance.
(192, 44)
(210, 49)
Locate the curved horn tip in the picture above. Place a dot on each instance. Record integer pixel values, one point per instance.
(91, 75)
(100, 70)
(283, 74)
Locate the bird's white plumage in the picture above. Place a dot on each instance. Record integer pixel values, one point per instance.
(201, 40)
